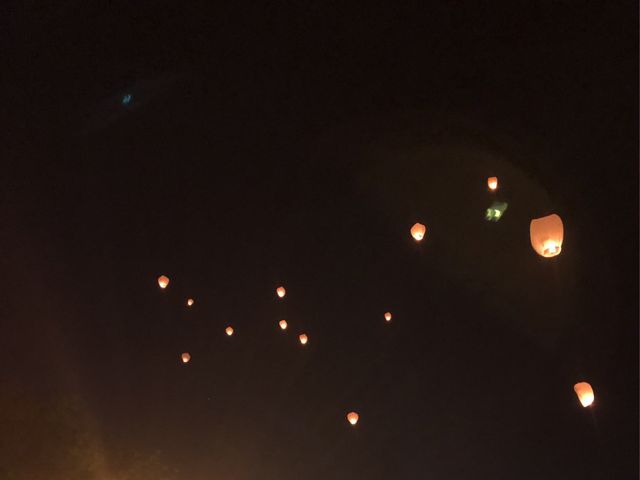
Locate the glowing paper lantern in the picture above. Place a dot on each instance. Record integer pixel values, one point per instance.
(163, 281)
(492, 183)
(585, 393)
(229, 330)
(417, 231)
(185, 357)
(546, 235)
(496, 211)
(303, 339)
(190, 302)
(353, 417)
(387, 316)
(281, 292)
(283, 324)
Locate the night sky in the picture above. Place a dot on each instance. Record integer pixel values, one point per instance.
(237, 148)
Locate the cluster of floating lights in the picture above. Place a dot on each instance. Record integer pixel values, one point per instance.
(546, 234)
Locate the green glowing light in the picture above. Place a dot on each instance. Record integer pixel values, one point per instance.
(495, 211)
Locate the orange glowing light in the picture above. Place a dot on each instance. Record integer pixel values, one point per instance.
(229, 331)
(283, 324)
(418, 231)
(163, 281)
(185, 357)
(353, 417)
(281, 292)
(303, 339)
(190, 302)
(546, 235)
(585, 393)
(492, 183)
(387, 316)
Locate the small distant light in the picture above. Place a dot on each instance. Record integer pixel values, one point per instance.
(303, 339)
(495, 211)
(126, 99)
(283, 324)
(190, 302)
(492, 183)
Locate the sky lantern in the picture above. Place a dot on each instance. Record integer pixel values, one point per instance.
(283, 324)
(492, 183)
(281, 292)
(303, 339)
(229, 330)
(495, 212)
(185, 357)
(190, 302)
(417, 231)
(546, 235)
(353, 417)
(585, 393)
(163, 281)
(387, 316)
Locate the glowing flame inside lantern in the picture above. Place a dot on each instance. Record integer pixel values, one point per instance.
(353, 417)
(585, 393)
(229, 331)
(387, 316)
(492, 183)
(185, 357)
(550, 249)
(418, 231)
(163, 281)
(190, 302)
(303, 339)
(283, 324)
(281, 292)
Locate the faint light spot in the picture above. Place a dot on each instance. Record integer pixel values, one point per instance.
(495, 211)
(126, 99)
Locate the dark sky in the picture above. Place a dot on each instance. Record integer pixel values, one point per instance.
(297, 143)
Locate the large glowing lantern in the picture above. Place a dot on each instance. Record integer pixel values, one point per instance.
(492, 183)
(303, 339)
(229, 331)
(281, 292)
(353, 417)
(417, 231)
(585, 393)
(387, 316)
(546, 235)
(185, 357)
(163, 281)
(283, 324)
(190, 302)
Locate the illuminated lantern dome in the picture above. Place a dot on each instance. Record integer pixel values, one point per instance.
(387, 316)
(303, 339)
(492, 183)
(353, 417)
(283, 324)
(585, 393)
(281, 292)
(190, 302)
(185, 357)
(418, 231)
(546, 235)
(163, 281)
(229, 331)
